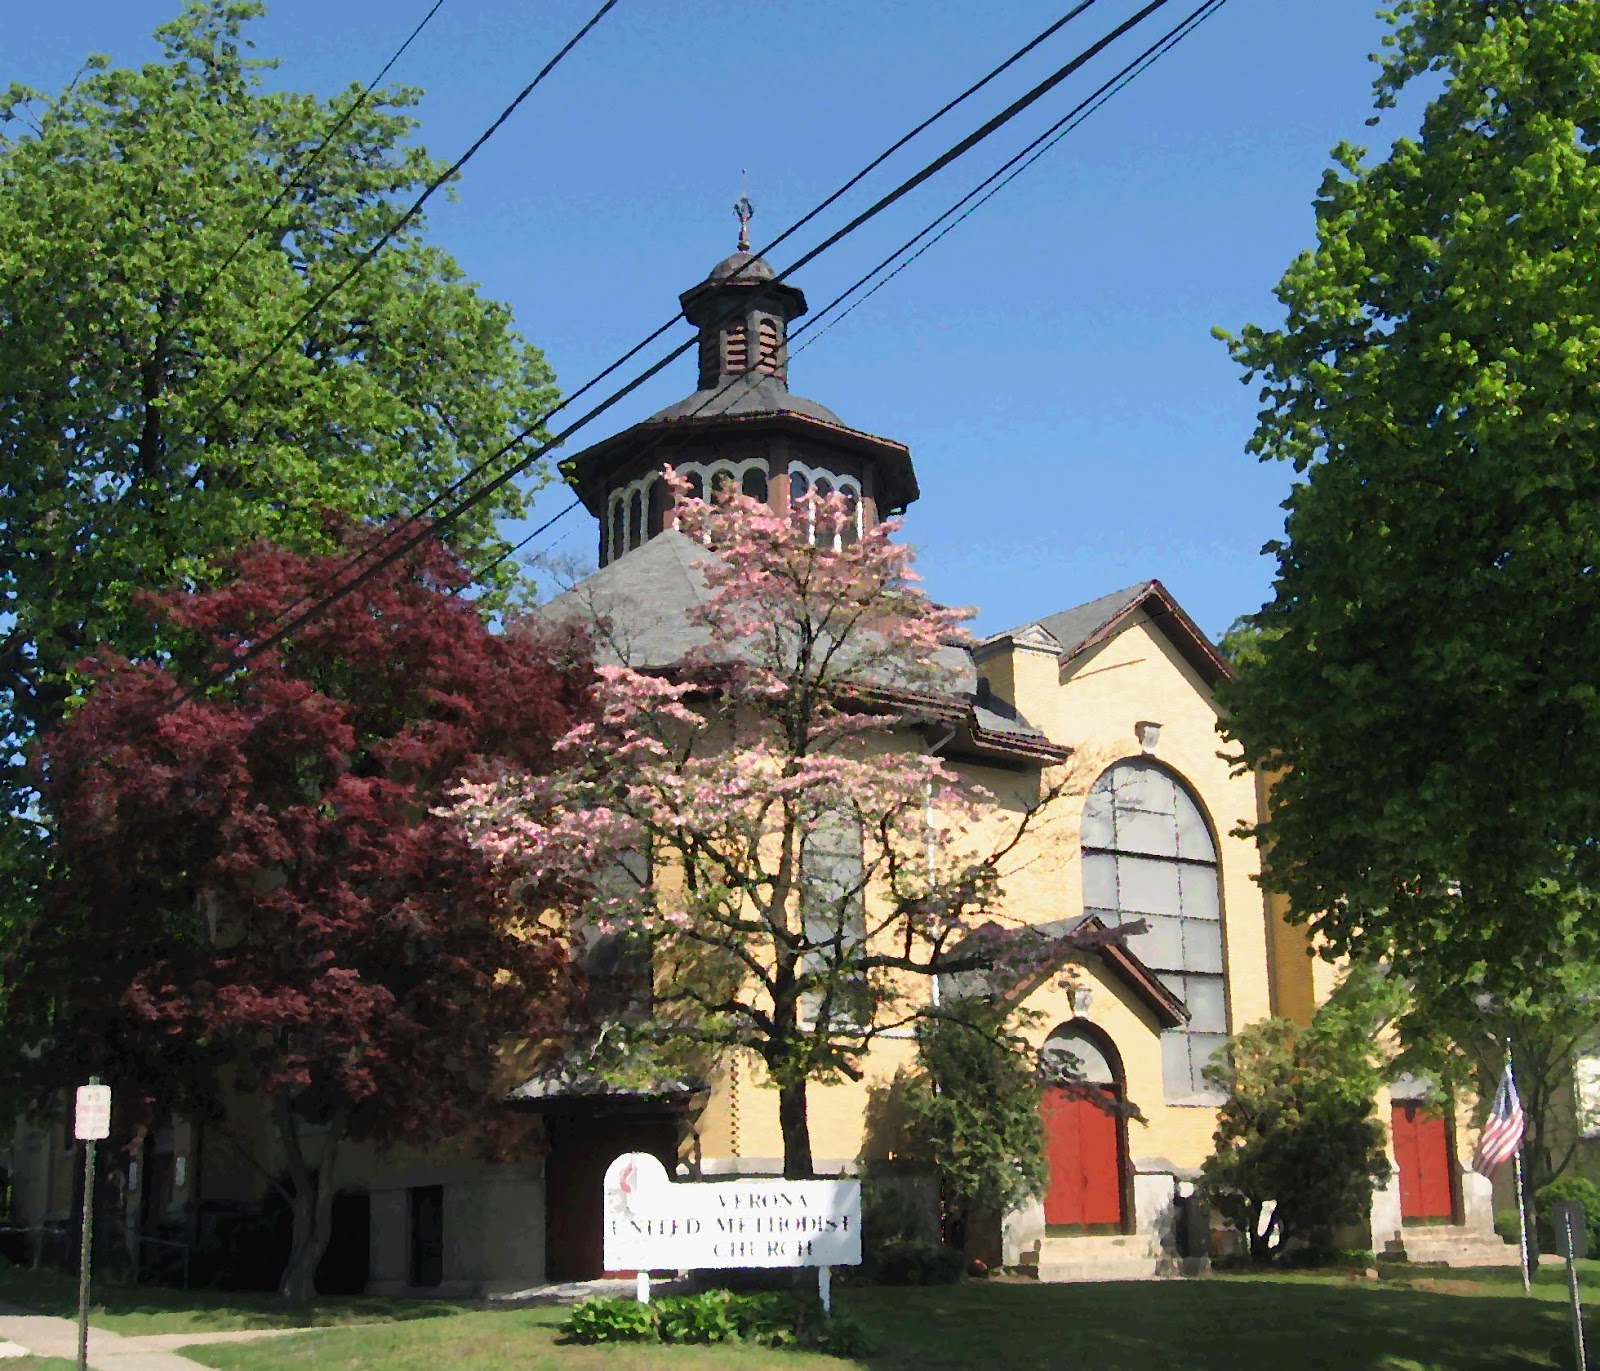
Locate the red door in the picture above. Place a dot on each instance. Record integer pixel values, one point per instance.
(1085, 1177)
(1422, 1156)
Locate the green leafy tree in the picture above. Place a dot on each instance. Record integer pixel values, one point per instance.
(149, 258)
(972, 1110)
(1428, 681)
(1297, 1133)
(1458, 1033)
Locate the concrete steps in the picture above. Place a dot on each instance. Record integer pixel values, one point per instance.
(1115, 1257)
(1451, 1245)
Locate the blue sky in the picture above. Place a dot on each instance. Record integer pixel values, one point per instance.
(1050, 364)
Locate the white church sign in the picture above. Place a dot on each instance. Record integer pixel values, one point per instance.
(655, 1223)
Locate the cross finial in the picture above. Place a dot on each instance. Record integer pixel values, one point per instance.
(744, 211)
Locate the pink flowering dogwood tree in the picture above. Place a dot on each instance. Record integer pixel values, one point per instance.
(767, 816)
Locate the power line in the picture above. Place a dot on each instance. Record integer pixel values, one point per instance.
(366, 257)
(462, 481)
(471, 501)
(1037, 148)
(223, 670)
(304, 168)
(998, 180)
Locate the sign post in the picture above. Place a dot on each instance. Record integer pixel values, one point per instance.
(1572, 1241)
(653, 1222)
(91, 1122)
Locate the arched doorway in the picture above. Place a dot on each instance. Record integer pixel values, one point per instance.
(1085, 1133)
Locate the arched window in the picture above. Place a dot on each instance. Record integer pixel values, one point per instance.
(1148, 854)
(799, 483)
(635, 519)
(657, 515)
(754, 484)
(619, 543)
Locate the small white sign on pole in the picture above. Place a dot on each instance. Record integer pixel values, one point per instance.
(92, 1120)
(654, 1223)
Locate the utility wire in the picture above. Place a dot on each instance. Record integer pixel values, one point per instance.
(223, 670)
(428, 192)
(471, 501)
(304, 168)
(462, 481)
(995, 182)
(999, 180)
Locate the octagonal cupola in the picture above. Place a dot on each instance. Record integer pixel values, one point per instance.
(743, 316)
(742, 425)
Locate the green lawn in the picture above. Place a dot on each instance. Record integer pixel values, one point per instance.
(1450, 1322)
(1412, 1320)
(140, 1309)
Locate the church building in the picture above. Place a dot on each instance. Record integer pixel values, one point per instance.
(1121, 690)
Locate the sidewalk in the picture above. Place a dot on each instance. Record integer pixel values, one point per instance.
(47, 1336)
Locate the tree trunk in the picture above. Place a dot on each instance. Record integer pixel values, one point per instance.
(796, 1126)
(311, 1204)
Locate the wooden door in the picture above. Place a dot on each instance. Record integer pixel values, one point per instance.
(1422, 1157)
(1083, 1145)
(574, 1176)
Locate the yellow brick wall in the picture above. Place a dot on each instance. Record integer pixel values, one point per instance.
(1092, 705)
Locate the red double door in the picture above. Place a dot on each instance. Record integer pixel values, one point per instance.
(1422, 1157)
(1083, 1145)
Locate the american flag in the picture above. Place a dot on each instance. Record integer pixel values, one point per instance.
(1502, 1130)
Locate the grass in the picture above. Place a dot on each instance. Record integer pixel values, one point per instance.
(1412, 1320)
(140, 1309)
(1455, 1321)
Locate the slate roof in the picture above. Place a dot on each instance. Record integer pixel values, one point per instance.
(642, 600)
(1031, 940)
(1073, 628)
(1087, 625)
(645, 598)
(753, 392)
(566, 1085)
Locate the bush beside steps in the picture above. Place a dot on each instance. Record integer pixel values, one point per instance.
(766, 1318)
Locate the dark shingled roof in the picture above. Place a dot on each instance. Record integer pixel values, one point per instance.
(1072, 628)
(752, 392)
(645, 597)
(1086, 626)
(1033, 943)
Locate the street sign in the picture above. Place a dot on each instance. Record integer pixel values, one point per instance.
(1572, 1228)
(92, 1121)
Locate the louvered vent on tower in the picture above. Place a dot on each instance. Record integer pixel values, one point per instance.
(767, 358)
(738, 354)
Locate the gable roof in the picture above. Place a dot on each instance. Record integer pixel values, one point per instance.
(1086, 626)
(1123, 965)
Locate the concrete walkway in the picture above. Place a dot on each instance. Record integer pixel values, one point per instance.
(46, 1336)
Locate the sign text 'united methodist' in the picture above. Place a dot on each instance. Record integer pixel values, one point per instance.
(654, 1223)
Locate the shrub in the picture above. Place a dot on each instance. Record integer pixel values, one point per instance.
(1586, 1193)
(767, 1318)
(612, 1321)
(1296, 1130)
(911, 1261)
(1507, 1226)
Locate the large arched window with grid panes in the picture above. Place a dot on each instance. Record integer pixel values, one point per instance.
(1148, 854)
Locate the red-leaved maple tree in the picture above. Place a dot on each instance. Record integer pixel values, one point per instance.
(253, 895)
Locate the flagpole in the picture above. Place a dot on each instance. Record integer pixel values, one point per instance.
(1522, 1207)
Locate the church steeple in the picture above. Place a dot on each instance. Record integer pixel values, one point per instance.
(742, 315)
(741, 425)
